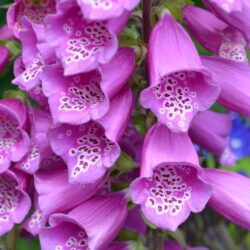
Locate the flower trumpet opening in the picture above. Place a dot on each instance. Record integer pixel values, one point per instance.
(69, 236)
(168, 197)
(178, 97)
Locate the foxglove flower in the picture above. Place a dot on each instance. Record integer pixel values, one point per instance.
(131, 142)
(123, 245)
(135, 223)
(106, 9)
(4, 58)
(79, 44)
(39, 149)
(79, 98)
(92, 225)
(91, 148)
(235, 13)
(233, 79)
(14, 141)
(170, 184)
(15, 203)
(35, 11)
(28, 68)
(215, 35)
(173, 245)
(6, 33)
(211, 131)
(230, 195)
(35, 221)
(179, 85)
(65, 197)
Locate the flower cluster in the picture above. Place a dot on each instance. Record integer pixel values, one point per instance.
(69, 155)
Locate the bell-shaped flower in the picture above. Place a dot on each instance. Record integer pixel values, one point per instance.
(131, 142)
(135, 222)
(78, 99)
(4, 58)
(230, 196)
(36, 220)
(35, 11)
(107, 9)
(235, 13)
(14, 202)
(170, 186)
(233, 79)
(215, 35)
(39, 149)
(79, 44)
(92, 225)
(179, 85)
(14, 141)
(64, 197)
(91, 148)
(211, 130)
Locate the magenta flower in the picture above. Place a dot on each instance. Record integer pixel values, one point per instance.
(123, 245)
(106, 9)
(15, 203)
(235, 13)
(6, 33)
(211, 131)
(4, 58)
(79, 44)
(215, 35)
(14, 141)
(131, 142)
(78, 99)
(66, 196)
(230, 195)
(91, 148)
(170, 184)
(39, 149)
(179, 85)
(233, 79)
(92, 225)
(135, 223)
(35, 11)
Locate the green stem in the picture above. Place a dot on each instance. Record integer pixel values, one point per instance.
(146, 19)
(11, 239)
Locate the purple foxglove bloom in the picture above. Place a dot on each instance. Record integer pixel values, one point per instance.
(230, 195)
(91, 148)
(92, 225)
(173, 245)
(211, 131)
(14, 141)
(36, 220)
(4, 58)
(40, 148)
(6, 33)
(233, 79)
(78, 99)
(234, 12)
(106, 9)
(79, 44)
(131, 142)
(35, 11)
(15, 203)
(170, 185)
(65, 197)
(179, 85)
(135, 223)
(32, 61)
(215, 35)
